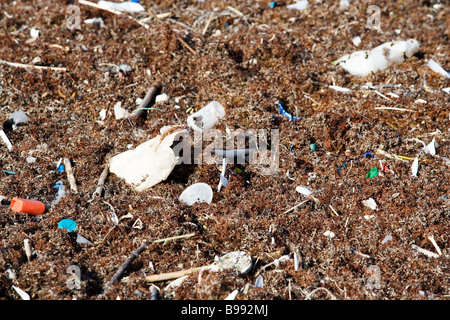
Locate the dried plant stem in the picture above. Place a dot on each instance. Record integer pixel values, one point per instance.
(31, 66)
(431, 238)
(393, 108)
(101, 182)
(296, 206)
(172, 275)
(176, 237)
(425, 251)
(70, 176)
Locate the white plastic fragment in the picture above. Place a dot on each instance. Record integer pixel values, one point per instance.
(364, 62)
(31, 159)
(198, 192)
(344, 4)
(120, 112)
(356, 40)
(329, 234)
(150, 162)
(124, 6)
(299, 5)
(206, 117)
(5, 139)
(81, 239)
(433, 65)
(415, 167)
(223, 181)
(27, 246)
(95, 20)
(18, 117)
(386, 239)
(259, 283)
(34, 33)
(238, 261)
(163, 97)
(303, 190)
(102, 114)
(370, 203)
(431, 148)
(296, 262)
(22, 294)
(446, 90)
(420, 101)
(232, 295)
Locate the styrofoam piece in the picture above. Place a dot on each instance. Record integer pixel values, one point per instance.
(198, 192)
(124, 6)
(206, 117)
(150, 162)
(364, 62)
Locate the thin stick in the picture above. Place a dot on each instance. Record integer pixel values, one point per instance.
(176, 237)
(101, 182)
(31, 66)
(126, 264)
(146, 102)
(333, 210)
(208, 23)
(172, 275)
(70, 176)
(392, 108)
(296, 206)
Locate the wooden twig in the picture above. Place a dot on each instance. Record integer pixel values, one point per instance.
(101, 182)
(431, 238)
(172, 275)
(70, 176)
(393, 108)
(115, 278)
(31, 66)
(176, 237)
(208, 22)
(289, 210)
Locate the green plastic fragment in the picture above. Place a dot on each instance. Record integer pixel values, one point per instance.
(312, 147)
(372, 173)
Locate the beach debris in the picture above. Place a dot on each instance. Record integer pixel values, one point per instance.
(340, 89)
(299, 5)
(287, 114)
(431, 238)
(163, 97)
(425, 251)
(446, 90)
(273, 4)
(82, 240)
(370, 203)
(101, 182)
(372, 173)
(386, 239)
(433, 65)
(356, 40)
(431, 148)
(415, 167)
(364, 62)
(61, 192)
(313, 147)
(259, 283)
(329, 234)
(373, 281)
(21, 293)
(304, 190)
(206, 117)
(33, 207)
(98, 21)
(27, 246)
(6, 139)
(234, 293)
(16, 118)
(120, 112)
(70, 176)
(198, 192)
(68, 224)
(223, 181)
(128, 6)
(150, 162)
(34, 33)
(30, 159)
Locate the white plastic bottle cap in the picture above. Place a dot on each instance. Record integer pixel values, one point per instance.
(199, 192)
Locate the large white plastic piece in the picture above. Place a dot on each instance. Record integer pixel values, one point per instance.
(433, 65)
(149, 163)
(299, 5)
(124, 6)
(364, 62)
(199, 192)
(206, 117)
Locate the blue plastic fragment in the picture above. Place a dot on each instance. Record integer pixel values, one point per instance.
(286, 114)
(7, 171)
(68, 224)
(368, 154)
(273, 4)
(137, 1)
(61, 168)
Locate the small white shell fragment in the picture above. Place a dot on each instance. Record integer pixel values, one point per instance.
(329, 234)
(386, 239)
(232, 295)
(238, 261)
(364, 62)
(340, 89)
(420, 101)
(415, 167)
(303, 190)
(81, 239)
(368, 217)
(430, 148)
(22, 294)
(433, 65)
(370, 203)
(31, 159)
(163, 97)
(356, 40)
(299, 5)
(102, 114)
(198, 192)
(120, 112)
(259, 283)
(34, 33)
